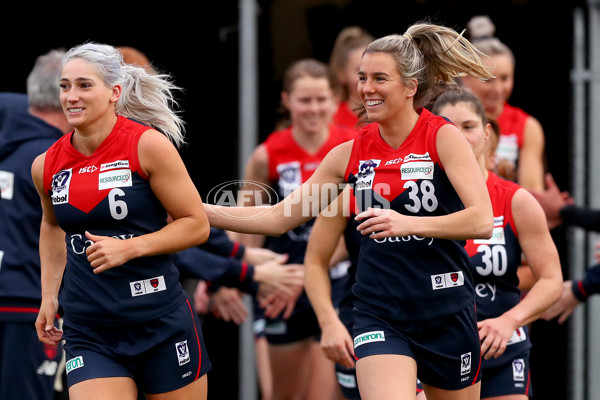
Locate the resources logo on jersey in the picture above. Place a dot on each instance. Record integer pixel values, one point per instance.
(61, 181)
(366, 174)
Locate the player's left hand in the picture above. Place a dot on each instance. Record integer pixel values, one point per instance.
(379, 223)
(107, 252)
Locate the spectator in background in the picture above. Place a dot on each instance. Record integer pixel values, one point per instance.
(27, 366)
(520, 151)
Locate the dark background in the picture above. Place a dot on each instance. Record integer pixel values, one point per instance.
(197, 43)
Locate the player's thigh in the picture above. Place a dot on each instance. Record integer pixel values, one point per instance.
(290, 367)
(121, 388)
(468, 393)
(387, 376)
(197, 390)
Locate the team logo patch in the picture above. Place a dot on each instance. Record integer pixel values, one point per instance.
(290, 177)
(518, 366)
(417, 170)
(61, 181)
(7, 181)
(366, 174)
(368, 337)
(119, 164)
(346, 380)
(465, 363)
(74, 363)
(148, 286)
(183, 352)
(114, 179)
(447, 280)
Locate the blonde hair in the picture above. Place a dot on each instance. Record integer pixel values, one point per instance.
(147, 98)
(432, 54)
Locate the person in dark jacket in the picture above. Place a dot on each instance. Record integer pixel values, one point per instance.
(29, 125)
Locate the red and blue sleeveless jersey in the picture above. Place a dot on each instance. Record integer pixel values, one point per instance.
(108, 194)
(408, 277)
(512, 131)
(495, 261)
(289, 167)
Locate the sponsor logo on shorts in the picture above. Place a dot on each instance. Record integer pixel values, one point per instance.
(447, 280)
(115, 178)
(61, 181)
(517, 336)
(518, 366)
(183, 352)
(74, 363)
(114, 165)
(275, 328)
(366, 174)
(368, 337)
(7, 180)
(148, 286)
(465, 363)
(346, 380)
(417, 170)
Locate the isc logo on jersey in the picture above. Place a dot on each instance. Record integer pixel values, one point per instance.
(61, 181)
(366, 174)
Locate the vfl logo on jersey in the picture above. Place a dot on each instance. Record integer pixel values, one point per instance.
(517, 336)
(368, 337)
(7, 180)
(183, 352)
(448, 280)
(60, 186)
(74, 363)
(366, 174)
(518, 366)
(148, 286)
(465, 363)
(114, 179)
(114, 165)
(290, 177)
(417, 170)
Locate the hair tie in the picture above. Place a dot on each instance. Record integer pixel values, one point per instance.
(407, 35)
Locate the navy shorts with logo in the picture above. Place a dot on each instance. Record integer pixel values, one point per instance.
(160, 355)
(447, 348)
(509, 378)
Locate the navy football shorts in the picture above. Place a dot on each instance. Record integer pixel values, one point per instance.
(447, 348)
(160, 355)
(511, 377)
